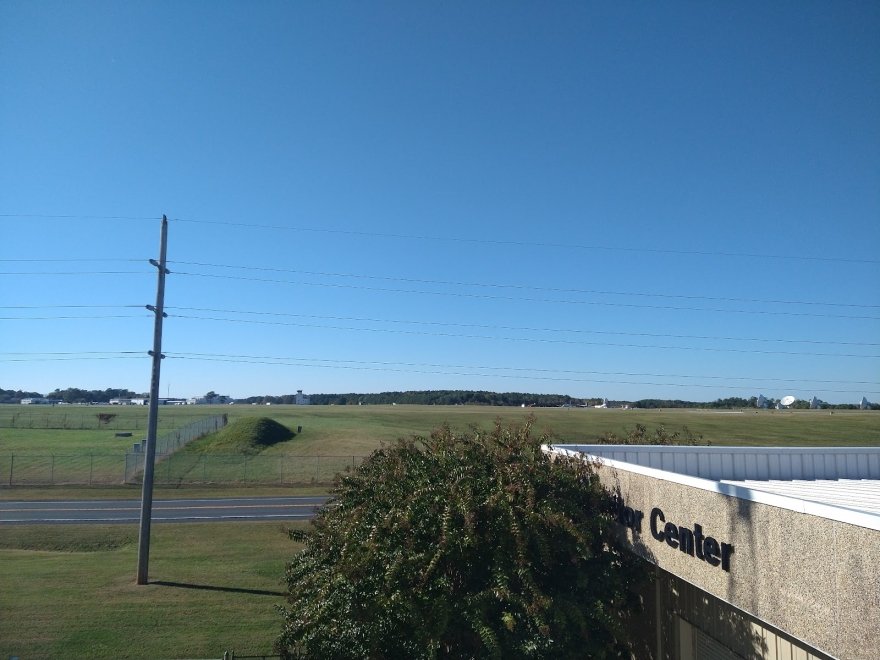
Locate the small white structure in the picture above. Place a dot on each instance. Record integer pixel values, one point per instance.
(785, 402)
(604, 404)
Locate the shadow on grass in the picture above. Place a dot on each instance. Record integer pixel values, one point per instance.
(208, 587)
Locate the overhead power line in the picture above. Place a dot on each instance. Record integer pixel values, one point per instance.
(478, 296)
(77, 260)
(78, 272)
(293, 359)
(528, 244)
(522, 287)
(453, 239)
(470, 374)
(521, 328)
(69, 317)
(53, 356)
(49, 216)
(70, 306)
(519, 339)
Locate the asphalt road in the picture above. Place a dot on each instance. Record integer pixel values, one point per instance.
(185, 510)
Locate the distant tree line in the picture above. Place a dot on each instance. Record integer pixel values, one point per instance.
(70, 395)
(426, 398)
(432, 397)
(15, 396)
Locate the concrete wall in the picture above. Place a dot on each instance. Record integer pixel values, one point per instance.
(813, 578)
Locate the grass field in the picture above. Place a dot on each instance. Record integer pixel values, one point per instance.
(334, 437)
(356, 430)
(69, 592)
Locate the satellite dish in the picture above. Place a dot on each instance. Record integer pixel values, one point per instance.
(787, 400)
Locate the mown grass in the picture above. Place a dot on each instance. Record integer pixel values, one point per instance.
(69, 591)
(357, 430)
(333, 437)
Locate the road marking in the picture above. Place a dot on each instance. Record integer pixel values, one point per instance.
(164, 508)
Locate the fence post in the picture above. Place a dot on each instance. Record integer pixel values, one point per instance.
(52, 471)
(205, 468)
(11, 463)
(91, 467)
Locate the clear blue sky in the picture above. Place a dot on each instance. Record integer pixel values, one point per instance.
(631, 200)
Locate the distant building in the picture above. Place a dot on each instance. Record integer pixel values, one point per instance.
(302, 399)
(761, 402)
(815, 404)
(864, 405)
(40, 401)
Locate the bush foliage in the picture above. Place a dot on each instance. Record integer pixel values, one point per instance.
(462, 546)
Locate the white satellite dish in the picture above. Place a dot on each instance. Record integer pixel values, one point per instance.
(787, 400)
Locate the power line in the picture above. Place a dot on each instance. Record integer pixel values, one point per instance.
(529, 244)
(68, 359)
(517, 369)
(523, 329)
(78, 260)
(48, 216)
(481, 375)
(532, 288)
(528, 299)
(69, 306)
(83, 272)
(69, 317)
(520, 339)
(32, 353)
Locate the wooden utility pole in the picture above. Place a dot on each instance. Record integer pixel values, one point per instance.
(153, 418)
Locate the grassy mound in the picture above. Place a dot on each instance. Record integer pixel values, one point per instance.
(249, 435)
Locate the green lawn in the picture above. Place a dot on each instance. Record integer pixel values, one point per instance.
(357, 430)
(334, 437)
(69, 591)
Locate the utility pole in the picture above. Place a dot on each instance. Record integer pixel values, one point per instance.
(153, 418)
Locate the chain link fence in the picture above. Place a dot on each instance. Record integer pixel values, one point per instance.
(237, 469)
(96, 468)
(112, 418)
(173, 467)
(182, 468)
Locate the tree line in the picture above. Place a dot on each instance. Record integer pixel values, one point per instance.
(70, 395)
(425, 398)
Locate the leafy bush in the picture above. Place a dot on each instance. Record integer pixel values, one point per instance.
(640, 436)
(461, 546)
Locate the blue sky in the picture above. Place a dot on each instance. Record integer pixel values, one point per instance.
(631, 200)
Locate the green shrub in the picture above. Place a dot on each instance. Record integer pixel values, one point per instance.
(462, 546)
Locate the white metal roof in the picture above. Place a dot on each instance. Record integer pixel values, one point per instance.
(841, 482)
(853, 494)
